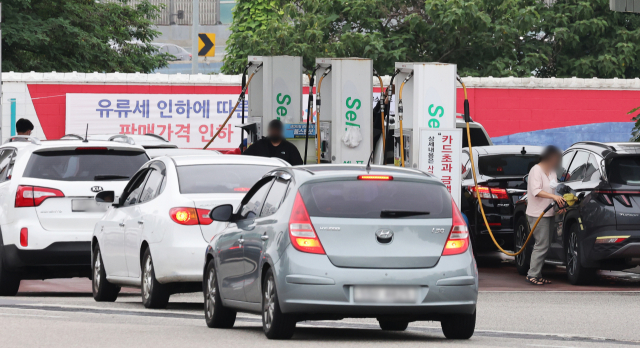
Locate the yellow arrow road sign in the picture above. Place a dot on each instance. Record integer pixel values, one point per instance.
(206, 45)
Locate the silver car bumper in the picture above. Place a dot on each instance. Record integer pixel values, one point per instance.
(311, 284)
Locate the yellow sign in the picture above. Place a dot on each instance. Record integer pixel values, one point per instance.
(206, 45)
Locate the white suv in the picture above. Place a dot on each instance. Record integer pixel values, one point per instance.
(47, 206)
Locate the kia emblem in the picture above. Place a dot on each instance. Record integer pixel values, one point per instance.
(96, 189)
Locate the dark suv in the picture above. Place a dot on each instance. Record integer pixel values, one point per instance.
(602, 230)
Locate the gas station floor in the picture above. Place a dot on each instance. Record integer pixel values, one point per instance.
(498, 273)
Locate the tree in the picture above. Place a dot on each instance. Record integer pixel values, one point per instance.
(79, 35)
(483, 37)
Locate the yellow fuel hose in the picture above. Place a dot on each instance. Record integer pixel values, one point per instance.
(382, 114)
(400, 116)
(234, 108)
(475, 181)
(318, 102)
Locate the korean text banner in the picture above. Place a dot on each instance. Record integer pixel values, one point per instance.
(187, 120)
(440, 155)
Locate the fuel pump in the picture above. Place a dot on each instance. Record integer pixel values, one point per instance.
(344, 110)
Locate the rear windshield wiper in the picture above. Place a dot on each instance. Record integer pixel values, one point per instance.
(109, 177)
(401, 213)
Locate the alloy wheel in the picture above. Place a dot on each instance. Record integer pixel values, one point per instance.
(96, 271)
(572, 254)
(211, 293)
(269, 303)
(520, 239)
(147, 279)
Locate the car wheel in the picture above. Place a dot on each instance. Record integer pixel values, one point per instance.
(9, 281)
(276, 325)
(576, 273)
(154, 294)
(458, 326)
(523, 260)
(387, 325)
(103, 291)
(215, 313)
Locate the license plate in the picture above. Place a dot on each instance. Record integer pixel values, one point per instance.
(385, 294)
(87, 206)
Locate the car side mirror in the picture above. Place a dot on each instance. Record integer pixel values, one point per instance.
(222, 213)
(106, 197)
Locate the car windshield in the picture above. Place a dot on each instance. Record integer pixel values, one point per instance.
(376, 199)
(624, 170)
(220, 178)
(85, 165)
(506, 165)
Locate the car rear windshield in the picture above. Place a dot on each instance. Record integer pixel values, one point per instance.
(624, 171)
(376, 199)
(507, 165)
(220, 178)
(478, 137)
(85, 165)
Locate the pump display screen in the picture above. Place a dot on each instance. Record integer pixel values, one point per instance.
(506, 165)
(220, 178)
(625, 170)
(368, 199)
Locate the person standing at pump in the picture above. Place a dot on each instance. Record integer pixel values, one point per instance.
(275, 145)
(541, 185)
(24, 127)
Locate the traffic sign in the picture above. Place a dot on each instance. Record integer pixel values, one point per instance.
(206, 45)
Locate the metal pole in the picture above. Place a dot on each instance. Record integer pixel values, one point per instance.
(194, 36)
(1, 95)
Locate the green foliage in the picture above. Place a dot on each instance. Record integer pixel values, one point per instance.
(79, 35)
(483, 37)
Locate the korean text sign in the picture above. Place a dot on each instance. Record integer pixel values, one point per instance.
(440, 155)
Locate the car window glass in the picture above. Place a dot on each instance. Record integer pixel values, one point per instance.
(253, 206)
(566, 161)
(578, 166)
(151, 188)
(592, 173)
(135, 189)
(163, 49)
(174, 50)
(274, 198)
(6, 157)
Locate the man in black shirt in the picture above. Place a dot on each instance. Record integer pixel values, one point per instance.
(275, 145)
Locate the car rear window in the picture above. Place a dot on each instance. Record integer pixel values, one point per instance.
(624, 170)
(220, 178)
(507, 165)
(85, 165)
(478, 137)
(367, 199)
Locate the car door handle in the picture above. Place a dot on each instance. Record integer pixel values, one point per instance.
(264, 237)
(121, 224)
(140, 222)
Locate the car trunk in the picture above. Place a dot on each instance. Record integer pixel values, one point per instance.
(210, 201)
(624, 180)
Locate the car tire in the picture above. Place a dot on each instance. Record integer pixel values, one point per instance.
(387, 325)
(154, 294)
(458, 326)
(103, 291)
(216, 315)
(576, 273)
(276, 325)
(9, 281)
(521, 232)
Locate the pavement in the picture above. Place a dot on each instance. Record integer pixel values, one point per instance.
(511, 313)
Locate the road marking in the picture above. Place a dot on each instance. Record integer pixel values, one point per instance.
(544, 345)
(31, 315)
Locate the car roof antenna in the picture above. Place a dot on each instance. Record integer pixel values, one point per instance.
(86, 136)
(523, 152)
(368, 167)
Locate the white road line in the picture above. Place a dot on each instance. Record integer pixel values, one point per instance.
(545, 345)
(30, 315)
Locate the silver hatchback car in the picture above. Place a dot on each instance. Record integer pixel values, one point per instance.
(335, 241)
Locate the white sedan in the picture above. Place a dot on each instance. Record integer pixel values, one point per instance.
(155, 234)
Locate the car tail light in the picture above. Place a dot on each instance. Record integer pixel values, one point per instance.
(24, 237)
(621, 196)
(190, 216)
(91, 148)
(458, 241)
(611, 239)
(33, 196)
(241, 189)
(375, 177)
(303, 235)
(489, 192)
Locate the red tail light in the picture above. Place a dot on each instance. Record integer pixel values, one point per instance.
(24, 237)
(190, 216)
(621, 196)
(458, 241)
(91, 148)
(489, 192)
(375, 177)
(33, 196)
(303, 235)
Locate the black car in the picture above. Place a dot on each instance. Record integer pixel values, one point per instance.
(601, 230)
(500, 170)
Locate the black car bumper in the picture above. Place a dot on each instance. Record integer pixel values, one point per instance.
(58, 260)
(624, 254)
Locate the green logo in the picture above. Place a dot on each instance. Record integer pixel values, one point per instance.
(351, 115)
(285, 100)
(434, 122)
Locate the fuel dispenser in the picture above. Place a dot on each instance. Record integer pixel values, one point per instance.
(426, 98)
(274, 93)
(344, 110)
